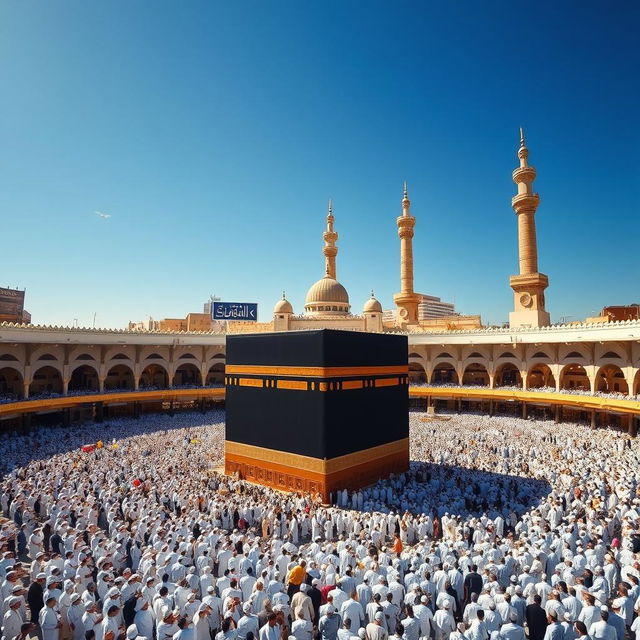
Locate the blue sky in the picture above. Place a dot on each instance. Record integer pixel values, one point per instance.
(214, 134)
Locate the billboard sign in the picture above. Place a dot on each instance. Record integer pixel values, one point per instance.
(234, 311)
(11, 302)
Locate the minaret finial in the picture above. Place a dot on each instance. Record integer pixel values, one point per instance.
(330, 209)
(522, 137)
(372, 294)
(406, 193)
(283, 295)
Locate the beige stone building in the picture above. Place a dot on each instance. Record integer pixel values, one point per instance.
(583, 370)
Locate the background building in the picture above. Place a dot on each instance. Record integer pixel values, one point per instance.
(12, 306)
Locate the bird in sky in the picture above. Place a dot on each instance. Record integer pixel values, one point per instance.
(104, 216)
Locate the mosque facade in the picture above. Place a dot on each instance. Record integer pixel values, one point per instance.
(592, 367)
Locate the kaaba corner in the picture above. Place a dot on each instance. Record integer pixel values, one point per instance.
(316, 411)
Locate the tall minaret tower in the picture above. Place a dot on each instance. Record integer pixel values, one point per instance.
(330, 250)
(407, 300)
(529, 285)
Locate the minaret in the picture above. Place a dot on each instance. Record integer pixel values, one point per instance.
(529, 285)
(330, 250)
(407, 300)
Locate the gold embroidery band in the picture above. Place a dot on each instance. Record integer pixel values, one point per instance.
(387, 382)
(238, 450)
(250, 382)
(315, 372)
(299, 385)
(354, 384)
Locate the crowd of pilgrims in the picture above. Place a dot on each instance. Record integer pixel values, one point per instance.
(502, 529)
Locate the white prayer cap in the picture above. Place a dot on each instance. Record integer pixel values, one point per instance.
(75, 597)
(114, 591)
(379, 617)
(617, 603)
(13, 600)
(210, 589)
(246, 607)
(446, 603)
(315, 582)
(604, 608)
(132, 631)
(41, 576)
(567, 616)
(424, 599)
(362, 633)
(513, 616)
(303, 587)
(17, 588)
(88, 605)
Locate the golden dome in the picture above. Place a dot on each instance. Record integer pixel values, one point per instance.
(327, 297)
(327, 290)
(283, 306)
(372, 306)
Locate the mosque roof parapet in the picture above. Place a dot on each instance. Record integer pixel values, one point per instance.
(624, 330)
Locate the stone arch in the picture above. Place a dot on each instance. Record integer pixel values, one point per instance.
(85, 356)
(84, 378)
(540, 375)
(215, 375)
(508, 375)
(119, 376)
(187, 356)
(417, 373)
(541, 354)
(120, 356)
(219, 355)
(444, 373)
(610, 379)
(475, 374)
(508, 354)
(574, 376)
(154, 375)
(47, 357)
(11, 384)
(8, 357)
(187, 374)
(46, 379)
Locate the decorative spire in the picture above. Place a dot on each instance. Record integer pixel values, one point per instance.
(330, 216)
(372, 294)
(330, 250)
(406, 203)
(283, 295)
(523, 152)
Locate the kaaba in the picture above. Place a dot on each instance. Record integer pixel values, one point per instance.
(316, 411)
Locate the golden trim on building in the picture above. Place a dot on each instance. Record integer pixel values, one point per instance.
(316, 465)
(315, 372)
(298, 385)
(250, 382)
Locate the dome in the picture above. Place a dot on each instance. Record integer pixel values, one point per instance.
(327, 290)
(327, 297)
(283, 306)
(372, 306)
